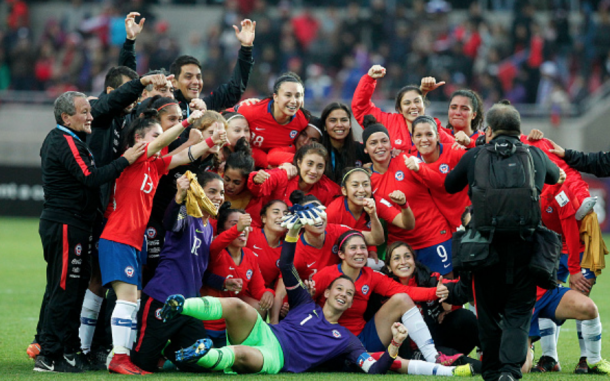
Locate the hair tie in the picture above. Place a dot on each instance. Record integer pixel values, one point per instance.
(167, 104)
(350, 235)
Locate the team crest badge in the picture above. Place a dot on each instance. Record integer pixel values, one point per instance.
(335, 249)
(444, 168)
(368, 224)
(129, 271)
(549, 210)
(336, 333)
(293, 134)
(398, 141)
(78, 249)
(158, 314)
(151, 233)
(365, 289)
(249, 274)
(277, 263)
(358, 163)
(399, 176)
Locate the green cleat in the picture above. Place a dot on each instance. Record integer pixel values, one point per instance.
(601, 367)
(463, 371)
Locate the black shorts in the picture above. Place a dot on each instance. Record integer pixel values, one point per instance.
(153, 336)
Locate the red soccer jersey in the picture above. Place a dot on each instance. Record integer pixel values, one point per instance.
(133, 198)
(308, 260)
(248, 271)
(338, 213)
(253, 206)
(433, 175)
(473, 138)
(266, 132)
(280, 155)
(431, 227)
(394, 122)
(559, 215)
(268, 257)
(277, 186)
(369, 282)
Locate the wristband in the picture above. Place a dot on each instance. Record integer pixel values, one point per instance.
(191, 158)
(405, 205)
(185, 123)
(395, 344)
(210, 142)
(291, 239)
(395, 356)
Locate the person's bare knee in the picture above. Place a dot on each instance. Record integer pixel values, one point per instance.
(402, 302)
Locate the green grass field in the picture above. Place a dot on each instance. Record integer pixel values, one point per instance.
(22, 272)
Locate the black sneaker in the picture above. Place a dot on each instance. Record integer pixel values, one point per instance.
(80, 360)
(96, 362)
(506, 377)
(582, 367)
(43, 364)
(546, 364)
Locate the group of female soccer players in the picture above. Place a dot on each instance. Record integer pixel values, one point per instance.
(379, 254)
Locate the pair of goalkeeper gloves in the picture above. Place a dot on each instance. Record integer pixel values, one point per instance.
(300, 216)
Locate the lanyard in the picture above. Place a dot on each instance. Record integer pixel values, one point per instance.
(332, 155)
(71, 133)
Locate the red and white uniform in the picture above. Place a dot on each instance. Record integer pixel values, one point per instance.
(559, 214)
(280, 155)
(433, 175)
(369, 282)
(268, 257)
(221, 263)
(431, 227)
(266, 132)
(473, 138)
(132, 201)
(338, 213)
(277, 186)
(396, 124)
(308, 260)
(253, 205)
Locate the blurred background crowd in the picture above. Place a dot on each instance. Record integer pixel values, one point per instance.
(539, 52)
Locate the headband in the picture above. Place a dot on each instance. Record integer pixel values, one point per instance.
(167, 104)
(350, 235)
(426, 119)
(235, 116)
(316, 128)
(370, 130)
(352, 171)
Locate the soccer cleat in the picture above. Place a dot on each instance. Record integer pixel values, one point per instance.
(454, 360)
(82, 362)
(121, 363)
(586, 207)
(173, 307)
(546, 364)
(463, 371)
(33, 350)
(43, 364)
(506, 377)
(195, 351)
(601, 367)
(582, 367)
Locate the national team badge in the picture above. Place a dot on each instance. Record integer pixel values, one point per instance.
(293, 134)
(277, 263)
(151, 232)
(399, 176)
(129, 271)
(398, 141)
(549, 210)
(365, 289)
(249, 274)
(368, 224)
(358, 163)
(336, 333)
(78, 249)
(158, 314)
(335, 249)
(444, 168)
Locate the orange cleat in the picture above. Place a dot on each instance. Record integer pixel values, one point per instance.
(33, 350)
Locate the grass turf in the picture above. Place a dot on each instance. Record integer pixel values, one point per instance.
(22, 271)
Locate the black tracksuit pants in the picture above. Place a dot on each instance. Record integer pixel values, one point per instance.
(68, 272)
(505, 299)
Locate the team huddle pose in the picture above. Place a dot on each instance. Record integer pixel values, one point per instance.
(298, 247)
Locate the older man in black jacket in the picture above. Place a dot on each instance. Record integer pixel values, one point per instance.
(71, 183)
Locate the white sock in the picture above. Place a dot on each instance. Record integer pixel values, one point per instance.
(422, 368)
(420, 334)
(581, 341)
(134, 326)
(548, 331)
(592, 335)
(88, 319)
(121, 326)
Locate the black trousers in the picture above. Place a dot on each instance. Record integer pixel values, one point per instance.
(68, 271)
(155, 238)
(505, 296)
(459, 330)
(153, 336)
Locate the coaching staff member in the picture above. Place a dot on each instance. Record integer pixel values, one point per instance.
(71, 185)
(504, 293)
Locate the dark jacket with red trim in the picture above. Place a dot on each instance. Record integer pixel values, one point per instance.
(71, 181)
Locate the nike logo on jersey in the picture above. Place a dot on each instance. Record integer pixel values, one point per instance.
(447, 265)
(258, 248)
(311, 264)
(231, 268)
(198, 231)
(259, 129)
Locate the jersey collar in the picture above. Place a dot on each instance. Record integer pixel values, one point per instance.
(270, 111)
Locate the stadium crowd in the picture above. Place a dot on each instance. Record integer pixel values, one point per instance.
(167, 205)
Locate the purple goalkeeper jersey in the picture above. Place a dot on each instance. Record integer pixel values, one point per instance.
(184, 257)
